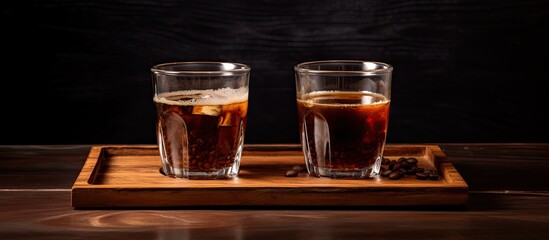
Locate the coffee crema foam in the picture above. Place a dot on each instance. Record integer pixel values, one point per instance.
(333, 98)
(222, 96)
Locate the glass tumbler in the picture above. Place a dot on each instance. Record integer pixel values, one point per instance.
(201, 117)
(343, 110)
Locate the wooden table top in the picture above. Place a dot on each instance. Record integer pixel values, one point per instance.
(508, 199)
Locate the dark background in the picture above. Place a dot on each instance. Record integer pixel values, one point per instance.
(78, 72)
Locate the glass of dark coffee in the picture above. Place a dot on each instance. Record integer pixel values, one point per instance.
(201, 117)
(343, 110)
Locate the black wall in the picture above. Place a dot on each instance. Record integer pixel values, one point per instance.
(464, 71)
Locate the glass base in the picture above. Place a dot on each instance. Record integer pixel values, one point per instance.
(223, 173)
(353, 174)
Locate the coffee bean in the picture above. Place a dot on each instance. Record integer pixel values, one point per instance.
(386, 173)
(396, 167)
(411, 160)
(422, 175)
(433, 175)
(412, 170)
(291, 173)
(298, 168)
(395, 175)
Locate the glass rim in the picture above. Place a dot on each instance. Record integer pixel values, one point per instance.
(242, 68)
(386, 68)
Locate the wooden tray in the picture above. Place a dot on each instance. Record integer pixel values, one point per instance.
(129, 176)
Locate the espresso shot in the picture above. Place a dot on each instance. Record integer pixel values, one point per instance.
(343, 112)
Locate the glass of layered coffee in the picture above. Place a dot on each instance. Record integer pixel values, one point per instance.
(343, 110)
(201, 117)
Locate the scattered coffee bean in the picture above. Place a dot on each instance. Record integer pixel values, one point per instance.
(291, 173)
(412, 160)
(386, 173)
(294, 171)
(433, 175)
(397, 169)
(412, 170)
(395, 175)
(298, 168)
(421, 175)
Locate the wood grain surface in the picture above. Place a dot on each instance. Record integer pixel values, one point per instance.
(507, 200)
(128, 176)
